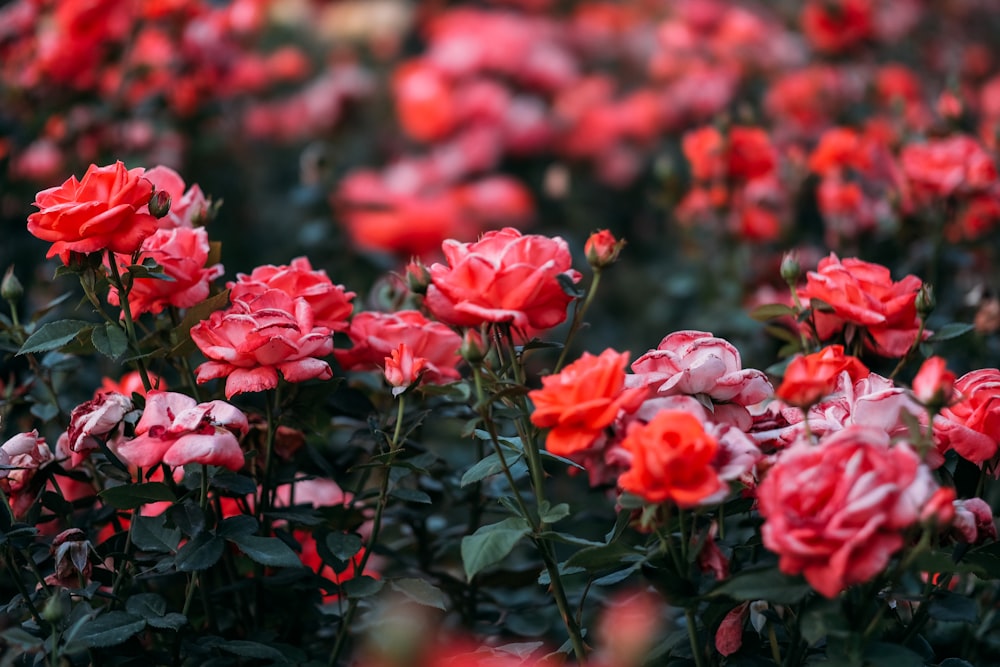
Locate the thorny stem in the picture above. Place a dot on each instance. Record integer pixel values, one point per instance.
(123, 294)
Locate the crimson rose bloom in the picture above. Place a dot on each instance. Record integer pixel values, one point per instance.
(864, 294)
(503, 277)
(258, 337)
(810, 377)
(106, 210)
(671, 460)
(836, 512)
(582, 400)
(971, 426)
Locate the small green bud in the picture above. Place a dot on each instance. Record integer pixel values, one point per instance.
(11, 288)
(159, 203)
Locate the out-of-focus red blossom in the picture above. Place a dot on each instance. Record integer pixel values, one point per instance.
(836, 512)
(602, 249)
(742, 154)
(259, 336)
(96, 418)
(627, 628)
(810, 377)
(835, 26)
(840, 148)
(311, 558)
(710, 556)
(403, 369)
(182, 252)
(188, 206)
(971, 425)
(973, 522)
(24, 453)
(697, 363)
(175, 429)
(943, 167)
(330, 304)
(671, 460)
(582, 400)
(375, 334)
(503, 277)
(934, 384)
(105, 210)
(424, 103)
(864, 294)
(131, 383)
(804, 102)
(979, 216)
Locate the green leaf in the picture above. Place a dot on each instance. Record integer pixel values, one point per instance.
(241, 524)
(172, 621)
(235, 483)
(489, 466)
(146, 605)
(770, 584)
(343, 545)
(201, 553)
(421, 592)
(491, 544)
(604, 556)
(16, 637)
(54, 335)
(362, 587)
(948, 606)
(553, 514)
(410, 495)
(109, 629)
(882, 653)
(131, 496)
(150, 533)
(822, 618)
(110, 340)
(950, 331)
(771, 311)
(269, 551)
(304, 516)
(153, 270)
(248, 649)
(545, 454)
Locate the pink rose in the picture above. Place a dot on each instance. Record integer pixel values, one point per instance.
(188, 208)
(934, 384)
(20, 459)
(971, 426)
(942, 167)
(177, 430)
(973, 522)
(836, 512)
(697, 363)
(96, 418)
(258, 337)
(183, 253)
(331, 304)
(503, 277)
(106, 210)
(375, 335)
(403, 369)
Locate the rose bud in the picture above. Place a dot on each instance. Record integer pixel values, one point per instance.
(934, 384)
(159, 204)
(11, 288)
(602, 249)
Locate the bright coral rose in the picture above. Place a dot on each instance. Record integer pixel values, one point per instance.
(424, 101)
(745, 153)
(836, 512)
(696, 362)
(810, 377)
(934, 384)
(971, 426)
(503, 277)
(106, 210)
(403, 369)
(258, 337)
(376, 334)
(671, 460)
(864, 294)
(175, 429)
(183, 253)
(602, 249)
(331, 304)
(942, 167)
(583, 399)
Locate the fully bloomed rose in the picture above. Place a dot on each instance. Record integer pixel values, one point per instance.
(582, 400)
(175, 429)
(183, 253)
(105, 210)
(942, 167)
(697, 363)
(671, 460)
(258, 337)
(837, 512)
(97, 418)
(864, 294)
(503, 277)
(331, 304)
(23, 455)
(971, 426)
(810, 377)
(376, 334)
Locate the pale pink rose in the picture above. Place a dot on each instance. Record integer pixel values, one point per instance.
(973, 522)
(318, 492)
(96, 418)
(188, 208)
(697, 363)
(20, 458)
(376, 334)
(182, 252)
(177, 430)
(331, 304)
(258, 337)
(503, 277)
(836, 512)
(971, 426)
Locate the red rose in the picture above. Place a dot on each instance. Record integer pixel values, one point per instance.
(864, 294)
(838, 26)
(971, 426)
(258, 337)
(810, 377)
(403, 369)
(579, 402)
(106, 210)
(934, 384)
(503, 277)
(942, 167)
(836, 512)
(671, 460)
(602, 249)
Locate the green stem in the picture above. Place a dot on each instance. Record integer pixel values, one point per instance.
(578, 313)
(692, 631)
(123, 294)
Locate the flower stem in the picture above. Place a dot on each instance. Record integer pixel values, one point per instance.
(693, 638)
(123, 294)
(578, 313)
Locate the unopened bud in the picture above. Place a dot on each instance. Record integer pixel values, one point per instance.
(418, 278)
(925, 301)
(11, 288)
(602, 249)
(159, 203)
(472, 349)
(790, 268)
